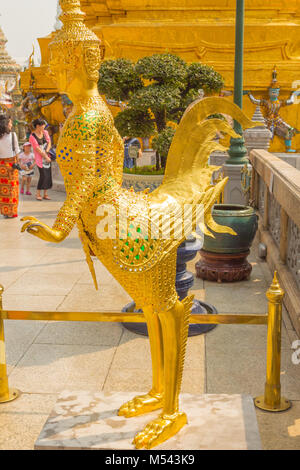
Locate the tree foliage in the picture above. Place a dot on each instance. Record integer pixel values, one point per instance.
(162, 142)
(119, 79)
(205, 77)
(156, 90)
(163, 69)
(135, 122)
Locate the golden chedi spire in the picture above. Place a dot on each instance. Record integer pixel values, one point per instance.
(7, 64)
(275, 293)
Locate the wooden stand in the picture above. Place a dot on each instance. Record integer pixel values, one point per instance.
(220, 267)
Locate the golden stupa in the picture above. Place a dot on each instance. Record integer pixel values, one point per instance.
(199, 30)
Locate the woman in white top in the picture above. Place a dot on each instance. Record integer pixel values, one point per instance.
(9, 178)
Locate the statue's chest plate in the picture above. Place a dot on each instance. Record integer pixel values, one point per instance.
(82, 127)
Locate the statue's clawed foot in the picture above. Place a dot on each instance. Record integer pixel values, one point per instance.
(141, 404)
(159, 430)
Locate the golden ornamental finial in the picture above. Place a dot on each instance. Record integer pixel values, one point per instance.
(275, 292)
(275, 282)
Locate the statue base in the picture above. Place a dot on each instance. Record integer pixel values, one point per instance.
(220, 267)
(88, 421)
(200, 307)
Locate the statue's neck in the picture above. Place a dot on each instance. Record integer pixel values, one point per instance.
(85, 94)
(87, 102)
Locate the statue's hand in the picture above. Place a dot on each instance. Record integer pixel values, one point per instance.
(40, 230)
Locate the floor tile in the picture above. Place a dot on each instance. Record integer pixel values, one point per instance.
(280, 431)
(53, 368)
(84, 297)
(23, 420)
(19, 336)
(81, 333)
(43, 284)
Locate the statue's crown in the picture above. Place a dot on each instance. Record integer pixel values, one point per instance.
(274, 82)
(71, 11)
(73, 29)
(68, 42)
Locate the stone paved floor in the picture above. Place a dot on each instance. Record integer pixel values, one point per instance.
(44, 358)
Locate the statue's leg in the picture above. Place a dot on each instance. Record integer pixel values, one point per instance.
(153, 399)
(175, 323)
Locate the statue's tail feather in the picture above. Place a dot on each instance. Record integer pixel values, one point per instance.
(188, 305)
(192, 133)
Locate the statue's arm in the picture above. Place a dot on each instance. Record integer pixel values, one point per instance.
(51, 100)
(292, 98)
(79, 183)
(253, 100)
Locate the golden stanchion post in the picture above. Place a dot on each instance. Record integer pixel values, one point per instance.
(272, 400)
(6, 394)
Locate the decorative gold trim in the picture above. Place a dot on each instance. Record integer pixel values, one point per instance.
(203, 48)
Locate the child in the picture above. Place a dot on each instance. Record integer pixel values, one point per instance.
(27, 164)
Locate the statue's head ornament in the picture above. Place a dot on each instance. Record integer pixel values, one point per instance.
(274, 83)
(74, 41)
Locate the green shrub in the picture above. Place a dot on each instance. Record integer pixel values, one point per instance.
(156, 90)
(144, 170)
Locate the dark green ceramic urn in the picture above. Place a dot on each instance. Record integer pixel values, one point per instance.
(242, 219)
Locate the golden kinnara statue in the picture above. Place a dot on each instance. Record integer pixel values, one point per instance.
(90, 155)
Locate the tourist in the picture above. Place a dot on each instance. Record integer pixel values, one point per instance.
(41, 143)
(9, 177)
(132, 151)
(27, 164)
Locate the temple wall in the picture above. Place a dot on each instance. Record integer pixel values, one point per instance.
(201, 30)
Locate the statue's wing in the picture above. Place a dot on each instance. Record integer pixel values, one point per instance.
(146, 233)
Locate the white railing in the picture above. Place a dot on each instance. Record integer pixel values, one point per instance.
(276, 195)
